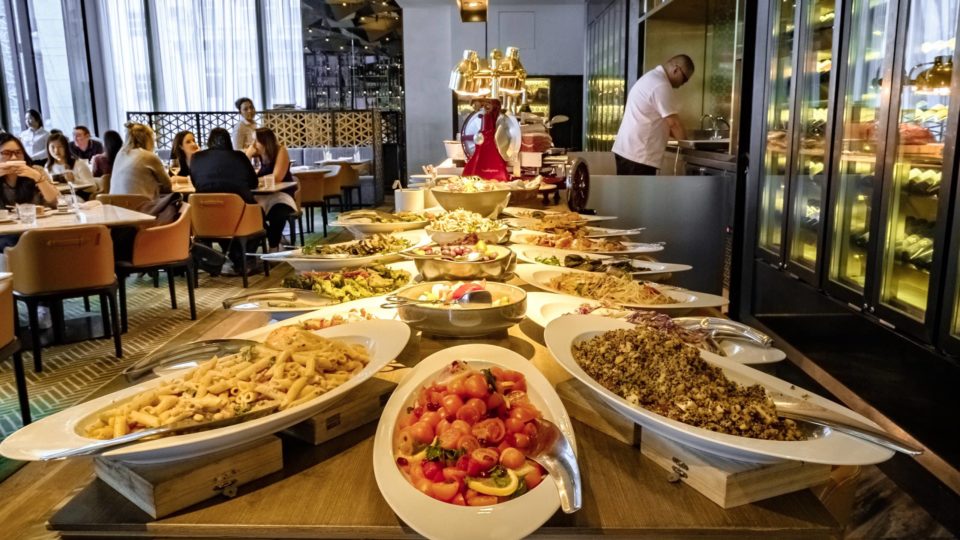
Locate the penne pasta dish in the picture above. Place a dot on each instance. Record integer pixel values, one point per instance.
(291, 367)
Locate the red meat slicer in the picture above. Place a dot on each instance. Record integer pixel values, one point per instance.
(491, 134)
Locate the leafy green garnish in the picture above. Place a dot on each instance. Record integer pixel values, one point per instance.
(436, 453)
(491, 380)
(499, 476)
(521, 489)
(552, 260)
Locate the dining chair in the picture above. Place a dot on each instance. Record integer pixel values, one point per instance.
(10, 347)
(349, 182)
(103, 183)
(166, 247)
(332, 189)
(130, 202)
(311, 196)
(51, 265)
(225, 217)
(296, 217)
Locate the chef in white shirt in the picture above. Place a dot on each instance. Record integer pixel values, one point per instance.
(650, 116)
(34, 138)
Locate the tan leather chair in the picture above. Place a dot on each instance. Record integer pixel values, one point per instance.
(312, 191)
(296, 217)
(103, 184)
(45, 269)
(10, 346)
(130, 202)
(166, 247)
(225, 217)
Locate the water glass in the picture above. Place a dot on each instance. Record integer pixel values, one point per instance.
(27, 213)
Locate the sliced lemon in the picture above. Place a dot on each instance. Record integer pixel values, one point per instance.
(488, 486)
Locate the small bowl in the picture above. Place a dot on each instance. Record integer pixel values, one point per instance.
(463, 321)
(497, 236)
(433, 268)
(486, 203)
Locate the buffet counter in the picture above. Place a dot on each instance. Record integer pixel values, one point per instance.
(330, 490)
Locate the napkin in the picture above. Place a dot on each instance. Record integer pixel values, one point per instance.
(90, 205)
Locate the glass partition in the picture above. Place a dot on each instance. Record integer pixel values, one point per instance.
(809, 177)
(856, 170)
(925, 101)
(777, 147)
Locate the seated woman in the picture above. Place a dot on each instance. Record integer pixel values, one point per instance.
(181, 156)
(138, 170)
(64, 166)
(221, 169)
(103, 163)
(274, 160)
(21, 182)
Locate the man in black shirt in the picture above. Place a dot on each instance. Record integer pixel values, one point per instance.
(82, 146)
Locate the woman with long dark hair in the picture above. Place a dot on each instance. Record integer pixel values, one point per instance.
(244, 129)
(184, 147)
(20, 180)
(275, 161)
(103, 163)
(63, 166)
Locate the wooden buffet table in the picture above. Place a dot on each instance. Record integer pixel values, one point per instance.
(330, 490)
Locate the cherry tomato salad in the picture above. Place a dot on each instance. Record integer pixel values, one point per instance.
(458, 252)
(463, 439)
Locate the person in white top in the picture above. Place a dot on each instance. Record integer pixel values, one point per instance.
(244, 133)
(651, 114)
(63, 166)
(34, 138)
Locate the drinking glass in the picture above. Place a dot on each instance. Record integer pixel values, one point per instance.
(255, 161)
(174, 167)
(27, 213)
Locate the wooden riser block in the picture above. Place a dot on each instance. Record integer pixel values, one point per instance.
(160, 489)
(357, 408)
(726, 482)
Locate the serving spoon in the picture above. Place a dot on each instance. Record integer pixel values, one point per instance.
(553, 451)
(468, 298)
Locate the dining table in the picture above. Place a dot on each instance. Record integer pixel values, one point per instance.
(87, 214)
(261, 189)
(329, 490)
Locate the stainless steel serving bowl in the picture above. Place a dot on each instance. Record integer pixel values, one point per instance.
(459, 321)
(498, 236)
(486, 203)
(435, 269)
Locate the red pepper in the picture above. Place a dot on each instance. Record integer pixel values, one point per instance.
(464, 289)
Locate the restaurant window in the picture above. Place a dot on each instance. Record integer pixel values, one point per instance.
(11, 93)
(283, 53)
(52, 64)
(208, 54)
(125, 60)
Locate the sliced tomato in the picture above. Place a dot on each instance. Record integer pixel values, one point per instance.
(479, 404)
(533, 478)
(433, 471)
(489, 431)
(464, 289)
(482, 500)
(459, 500)
(468, 443)
(445, 491)
(468, 414)
(431, 418)
(453, 473)
(495, 400)
(487, 457)
(452, 403)
(450, 438)
(476, 386)
(422, 432)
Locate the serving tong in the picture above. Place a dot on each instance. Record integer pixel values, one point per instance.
(802, 410)
(468, 298)
(302, 297)
(185, 355)
(178, 428)
(721, 328)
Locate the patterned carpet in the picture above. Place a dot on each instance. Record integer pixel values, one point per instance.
(72, 372)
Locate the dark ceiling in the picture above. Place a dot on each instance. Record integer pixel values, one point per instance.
(332, 25)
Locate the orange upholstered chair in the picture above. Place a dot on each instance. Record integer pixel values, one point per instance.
(166, 247)
(10, 346)
(226, 217)
(45, 269)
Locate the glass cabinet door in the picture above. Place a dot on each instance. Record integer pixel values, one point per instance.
(908, 251)
(809, 178)
(857, 167)
(777, 146)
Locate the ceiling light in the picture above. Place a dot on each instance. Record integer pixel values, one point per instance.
(473, 10)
